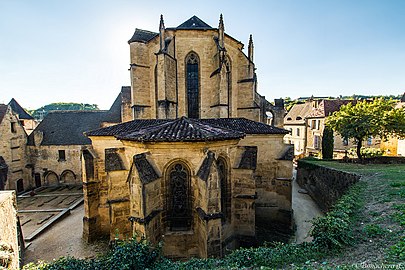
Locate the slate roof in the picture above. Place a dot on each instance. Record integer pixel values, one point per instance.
(67, 127)
(327, 107)
(114, 115)
(3, 111)
(22, 114)
(185, 129)
(142, 36)
(297, 114)
(194, 23)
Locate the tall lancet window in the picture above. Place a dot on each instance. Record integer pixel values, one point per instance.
(179, 204)
(192, 85)
(225, 189)
(229, 85)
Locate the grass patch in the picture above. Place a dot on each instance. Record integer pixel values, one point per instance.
(366, 224)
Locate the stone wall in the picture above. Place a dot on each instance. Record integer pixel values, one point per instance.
(9, 250)
(324, 185)
(159, 82)
(51, 169)
(12, 149)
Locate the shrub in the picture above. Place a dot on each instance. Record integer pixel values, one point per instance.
(366, 152)
(327, 143)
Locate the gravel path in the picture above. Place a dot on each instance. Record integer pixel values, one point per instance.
(305, 209)
(63, 239)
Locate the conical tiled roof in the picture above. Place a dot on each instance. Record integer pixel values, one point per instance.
(182, 130)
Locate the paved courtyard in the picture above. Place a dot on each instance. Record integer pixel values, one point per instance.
(40, 209)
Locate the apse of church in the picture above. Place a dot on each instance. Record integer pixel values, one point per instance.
(194, 70)
(196, 169)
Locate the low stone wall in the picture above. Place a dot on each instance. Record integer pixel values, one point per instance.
(324, 185)
(9, 251)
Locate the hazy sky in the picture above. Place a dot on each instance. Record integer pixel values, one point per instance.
(77, 50)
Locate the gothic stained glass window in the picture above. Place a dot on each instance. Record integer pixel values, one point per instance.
(225, 190)
(193, 97)
(179, 198)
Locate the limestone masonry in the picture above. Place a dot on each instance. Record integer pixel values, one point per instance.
(193, 165)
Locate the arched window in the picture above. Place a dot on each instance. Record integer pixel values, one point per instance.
(225, 189)
(179, 203)
(192, 86)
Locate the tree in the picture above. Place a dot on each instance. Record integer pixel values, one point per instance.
(327, 143)
(368, 119)
(40, 113)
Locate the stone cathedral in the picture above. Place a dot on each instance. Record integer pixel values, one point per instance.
(194, 164)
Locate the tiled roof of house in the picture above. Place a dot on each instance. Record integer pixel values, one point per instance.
(327, 107)
(142, 36)
(194, 23)
(114, 115)
(22, 114)
(297, 113)
(181, 130)
(67, 127)
(185, 129)
(3, 111)
(245, 125)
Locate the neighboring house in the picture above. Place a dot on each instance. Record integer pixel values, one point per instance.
(197, 168)
(315, 123)
(26, 119)
(395, 146)
(14, 172)
(295, 122)
(55, 147)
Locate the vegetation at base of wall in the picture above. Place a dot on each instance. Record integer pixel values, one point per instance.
(327, 143)
(369, 219)
(134, 254)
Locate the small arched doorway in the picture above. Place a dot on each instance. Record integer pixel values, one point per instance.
(67, 176)
(51, 178)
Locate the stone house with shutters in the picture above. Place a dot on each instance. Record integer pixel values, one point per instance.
(315, 125)
(295, 122)
(14, 172)
(55, 146)
(395, 146)
(197, 167)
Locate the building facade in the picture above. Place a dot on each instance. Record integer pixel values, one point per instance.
(55, 146)
(196, 168)
(14, 171)
(197, 71)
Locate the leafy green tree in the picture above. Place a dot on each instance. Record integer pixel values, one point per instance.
(368, 119)
(40, 113)
(327, 143)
